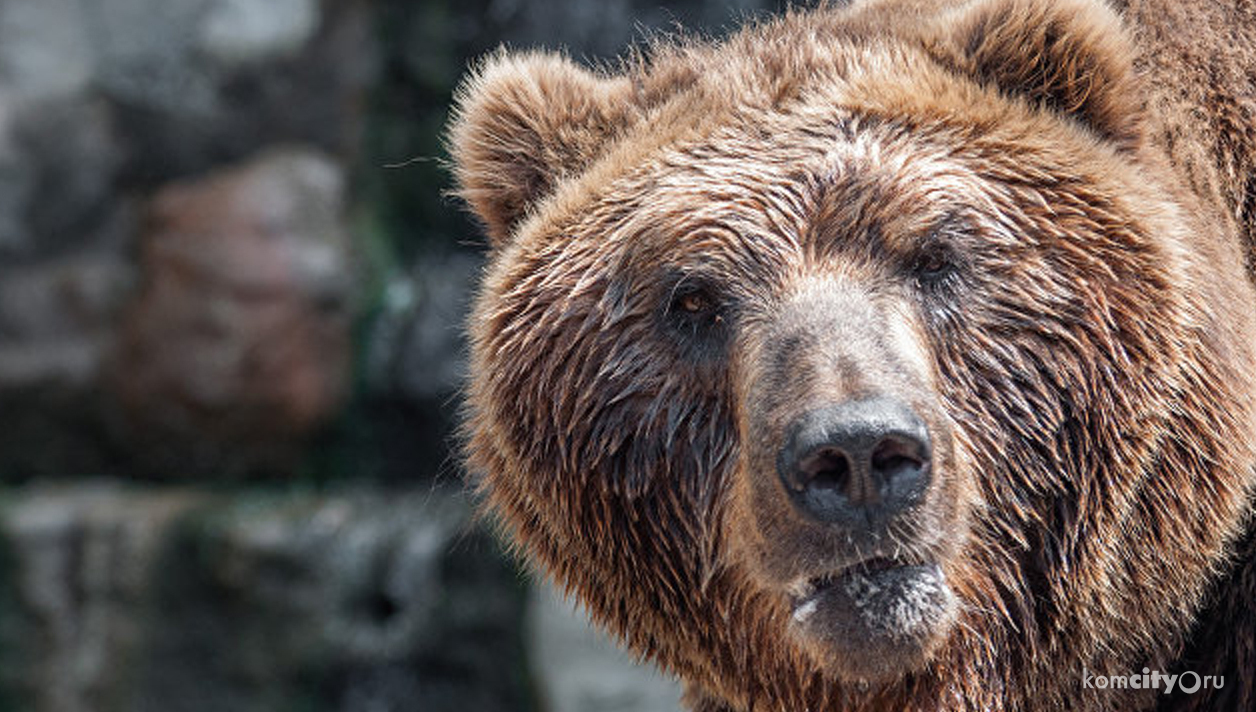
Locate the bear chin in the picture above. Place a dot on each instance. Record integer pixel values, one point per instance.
(875, 621)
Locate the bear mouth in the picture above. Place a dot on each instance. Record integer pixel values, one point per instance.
(876, 619)
(805, 592)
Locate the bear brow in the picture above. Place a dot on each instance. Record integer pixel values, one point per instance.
(882, 211)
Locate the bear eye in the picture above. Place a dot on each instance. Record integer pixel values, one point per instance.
(934, 265)
(695, 315)
(694, 303)
(937, 260)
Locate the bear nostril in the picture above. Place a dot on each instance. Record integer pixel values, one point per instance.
(892, 457)
(829, 468)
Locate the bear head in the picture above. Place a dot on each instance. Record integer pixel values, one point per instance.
(870, 357)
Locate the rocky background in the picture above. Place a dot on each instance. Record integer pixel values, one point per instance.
(231, 295)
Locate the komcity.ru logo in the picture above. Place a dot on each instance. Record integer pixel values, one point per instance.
(1189, 682)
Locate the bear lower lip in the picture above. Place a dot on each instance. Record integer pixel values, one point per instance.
(818, 584)
(876, 619)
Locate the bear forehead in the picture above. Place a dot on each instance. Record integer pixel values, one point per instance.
(738, 164)
(819, 178)
(537, 138)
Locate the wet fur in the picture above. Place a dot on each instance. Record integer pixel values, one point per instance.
(1094, 366)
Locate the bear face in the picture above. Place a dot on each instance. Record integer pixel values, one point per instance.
(871, 359)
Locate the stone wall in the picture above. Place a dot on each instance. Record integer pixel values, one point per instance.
(231, 296)
(182, 599)
(112, 114)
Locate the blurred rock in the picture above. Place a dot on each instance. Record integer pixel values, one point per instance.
(56, 318)
(412, 363)
(74, 585)
(201, 82)
(416, 347)
(250, 31)
(59, 159)
(45, 49)
(56, 332)
(98, 99)
(238, 343)
(103, 103)
(579, 669)
(605, 29)
(119, 599)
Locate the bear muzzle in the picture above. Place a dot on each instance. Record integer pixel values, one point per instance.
(847, 503)
(862, 469)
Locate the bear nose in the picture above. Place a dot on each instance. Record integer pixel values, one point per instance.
(857, 463)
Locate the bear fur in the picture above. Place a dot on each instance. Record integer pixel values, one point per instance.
(1026, 221)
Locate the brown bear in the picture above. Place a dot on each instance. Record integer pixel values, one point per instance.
(892, 355)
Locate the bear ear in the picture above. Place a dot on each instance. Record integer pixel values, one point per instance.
(522, 123)
(1068, 56)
